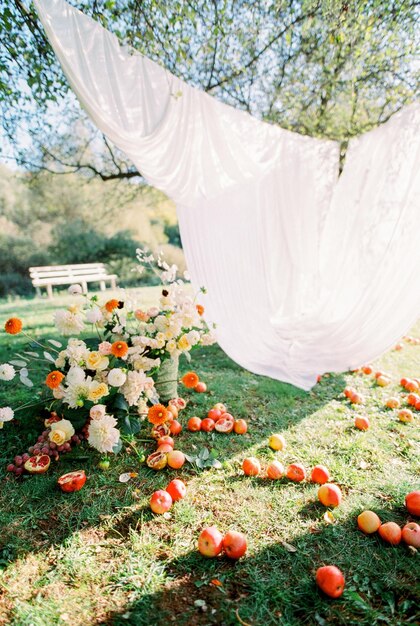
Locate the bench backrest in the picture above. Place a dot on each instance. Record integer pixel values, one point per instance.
(68, 271)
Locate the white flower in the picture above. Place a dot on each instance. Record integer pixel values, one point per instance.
(208, 339)
(116, 377)
(6, 414)
(102, 433)
(97, 390)
(75, 290)
(135, 385)
(153, 311)
(193, 337)
(77, 393)
(69, 322)
(93, 316)
(75, 375)
(59, 392)
(60, 361)
(142, 407)
(64, 426)
(7, 372)
(170, 274)
(97, 361)
(76, 352)
(97, 411)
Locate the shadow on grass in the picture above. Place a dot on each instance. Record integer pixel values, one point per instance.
(275, 586)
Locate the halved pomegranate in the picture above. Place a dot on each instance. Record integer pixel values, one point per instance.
(157, 460)
(224, 425)
(73, 481)
(50, 420)
(180, 403)
(161, 431)
(38, 464)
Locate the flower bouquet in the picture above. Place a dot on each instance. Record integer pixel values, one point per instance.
(112, 372)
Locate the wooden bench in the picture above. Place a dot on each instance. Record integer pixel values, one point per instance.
(81, 274)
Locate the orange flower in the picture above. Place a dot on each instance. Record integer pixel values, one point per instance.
(54, 379)
(200, 309)
(119, 348)
(111, 305)
(157, 414)
(13, 326)
(190, 379)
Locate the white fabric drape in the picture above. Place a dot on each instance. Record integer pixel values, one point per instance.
(305, 272)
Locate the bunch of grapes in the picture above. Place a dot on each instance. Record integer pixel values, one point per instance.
(44, 446)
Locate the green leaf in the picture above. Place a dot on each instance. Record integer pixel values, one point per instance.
(129, 425)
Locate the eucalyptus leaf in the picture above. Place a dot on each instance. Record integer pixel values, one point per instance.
(24, 373)
(26, 382)
(35, 354)
(18, 363)
(49, 357)
(55, 343)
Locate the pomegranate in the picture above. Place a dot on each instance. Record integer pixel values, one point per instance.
(224, 425)
(157, 460)
(37, 464)
(73, 481)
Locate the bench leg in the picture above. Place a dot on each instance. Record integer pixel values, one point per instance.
(113, 283)
(38, 292)
(102, 285)
(49, 291)
(84, 287)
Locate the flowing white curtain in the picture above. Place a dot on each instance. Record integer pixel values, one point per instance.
(306, 272)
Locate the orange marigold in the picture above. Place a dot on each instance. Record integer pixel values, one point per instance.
(13, 326)
(111, 305)
(200, 309)
(190, 379)
(157, 414)
(119, 348)
(54, 379)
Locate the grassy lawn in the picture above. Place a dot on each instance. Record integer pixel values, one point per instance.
(99, 556)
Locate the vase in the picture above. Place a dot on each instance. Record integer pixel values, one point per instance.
(167, 380)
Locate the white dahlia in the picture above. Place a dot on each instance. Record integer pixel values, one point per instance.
(7, 372)
(103, 435)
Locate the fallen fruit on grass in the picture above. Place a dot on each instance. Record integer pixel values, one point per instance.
(412, 385)
(383, 381)
(166, 439)
(368, 522)
(173, 412)
(164, 447)
(194, 424)
(330, 580)
(210, 542)
(176, 489)
(410, 534)
(412, 399)
(175, 427)
(38, 464)
(73, 481)
(208, 425)
(220, 407)
(180, 403)
(390, 532)
(157, 460)
(200, 387)
(367, 369)
(406, 416)
(251, 466)
(362, 423)
(275, 470)
(320, 474)
(412, 502)
(161, 430)
(240, 427)
(234, 544)
(175, 459)
(392, 403)
(296, 472)
(277, 442)
(104, 465)
(160, 502)
(224, 425)
(214, 414)
(330, 495)
(349, 391)
(356, 398)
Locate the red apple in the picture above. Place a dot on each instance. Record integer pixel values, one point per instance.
(251, 466)
(160, 502)
(194, 424)
(176, 489)
(360, 422)
(368, 522)
(207, 425)
(277, 442)
(390, 532)
(275, 470)
(330, 495)
(176, 459)
(320, 474)
(214, 414)
(234, 544)
(330, 580)
(210, 541)
(296, 472)
(411, 534)
(406, 416)
(240, 427)
(175, 427)
(200, 387)
(412, 503)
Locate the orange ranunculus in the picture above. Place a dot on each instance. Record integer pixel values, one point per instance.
(190, 379)
(119, 348)
(13, 326)
(54, 379)
(200, 309)
(157, 414)
(111, 305)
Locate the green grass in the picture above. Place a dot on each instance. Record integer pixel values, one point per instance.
(100, 556)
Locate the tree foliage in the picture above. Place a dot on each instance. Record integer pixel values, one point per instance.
(320, 67)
